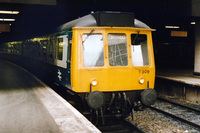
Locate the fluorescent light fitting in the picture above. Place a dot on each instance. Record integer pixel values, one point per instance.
(9, 12)
(172, 27)
(193, 23)
(6, 19)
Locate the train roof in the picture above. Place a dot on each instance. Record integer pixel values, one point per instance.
(106, 19)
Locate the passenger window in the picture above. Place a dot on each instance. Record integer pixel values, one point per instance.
(139, 50)
(60, 49)
(93, 50)
(117, 49)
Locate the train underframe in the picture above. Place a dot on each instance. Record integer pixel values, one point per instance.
(97, 105)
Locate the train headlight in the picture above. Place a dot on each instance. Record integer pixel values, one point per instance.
(141, 80)
(94, 82)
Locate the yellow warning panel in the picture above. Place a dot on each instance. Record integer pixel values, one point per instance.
(179, 33)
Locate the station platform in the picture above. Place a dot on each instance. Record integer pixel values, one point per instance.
(27, 105)
(178, 84)
(179, 75)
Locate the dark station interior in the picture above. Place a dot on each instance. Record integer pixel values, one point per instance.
(37, 19)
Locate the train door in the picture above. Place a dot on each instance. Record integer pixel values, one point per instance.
(61, 53)
(62, 68)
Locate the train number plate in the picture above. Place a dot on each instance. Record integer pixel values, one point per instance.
(144, 71)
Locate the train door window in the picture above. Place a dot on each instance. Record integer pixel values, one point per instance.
(60, 49)
(93, 50)
(61, 52)
(117, 49)
(139, 50)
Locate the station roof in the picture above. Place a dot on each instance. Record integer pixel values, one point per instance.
(39, 17)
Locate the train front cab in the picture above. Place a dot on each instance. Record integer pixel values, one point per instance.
(113, 62)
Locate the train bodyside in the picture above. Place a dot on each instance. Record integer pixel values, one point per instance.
(48, 57)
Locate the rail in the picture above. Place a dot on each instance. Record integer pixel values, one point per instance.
(178, 111)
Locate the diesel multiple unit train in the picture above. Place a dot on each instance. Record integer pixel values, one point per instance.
(106, 58)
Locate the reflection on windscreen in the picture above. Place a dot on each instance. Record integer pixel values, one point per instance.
(139, 50)
(117, 48)
(93, 50)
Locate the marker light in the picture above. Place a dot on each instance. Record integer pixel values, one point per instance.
(94, 82)
(141, 80)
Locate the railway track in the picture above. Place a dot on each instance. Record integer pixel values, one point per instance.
(115, 125)
(185, 114)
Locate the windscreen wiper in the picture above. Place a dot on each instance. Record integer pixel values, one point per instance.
(88, 36)
(135, 38)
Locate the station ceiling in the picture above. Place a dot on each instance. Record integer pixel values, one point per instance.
(39, 17)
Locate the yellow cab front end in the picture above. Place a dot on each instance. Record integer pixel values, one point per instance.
(112, 59)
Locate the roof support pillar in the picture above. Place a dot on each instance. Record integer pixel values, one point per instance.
(197, 49)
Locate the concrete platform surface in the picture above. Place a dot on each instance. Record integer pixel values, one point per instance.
(29, 106)
(180, 75)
